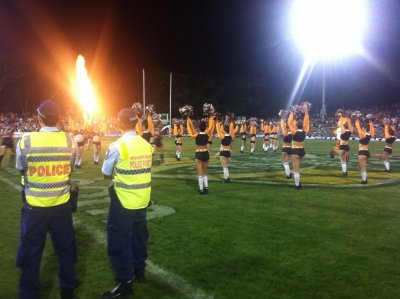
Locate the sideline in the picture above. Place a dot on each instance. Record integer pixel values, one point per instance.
(173, 280)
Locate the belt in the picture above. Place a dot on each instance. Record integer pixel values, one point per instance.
(225, 148)
(297, 144)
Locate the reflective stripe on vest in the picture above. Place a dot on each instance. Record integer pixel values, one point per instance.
(49, 185)
(132, 172)
(29, 192)
(132, 179)
(135, 186)
(47, 159)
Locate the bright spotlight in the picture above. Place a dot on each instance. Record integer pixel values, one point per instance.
(329, 29)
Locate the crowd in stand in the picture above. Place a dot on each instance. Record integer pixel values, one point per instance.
(30, 123)
(318, 127)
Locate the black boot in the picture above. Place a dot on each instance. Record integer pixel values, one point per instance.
(298, 187)
(139, 275)
(120, 291)
(68, 294)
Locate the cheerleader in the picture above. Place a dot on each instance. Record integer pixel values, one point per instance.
(227, 135)
(96, 146)
(274, 136)
(209, 111)
(211, 134)
(299, 128)
(365, 131)
(346, 129)
(7, 142)
(287, 145)
(178, 133)
(335, 148)
(243, 133)
(157, 142)
(266, 128)
(80, 146)
(389, 139)
(147, 129)
(202, 155)
(253, 132)
(89, 133)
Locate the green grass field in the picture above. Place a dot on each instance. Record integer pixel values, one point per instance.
(256, 237)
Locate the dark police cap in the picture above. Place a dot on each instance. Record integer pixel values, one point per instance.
(127, 116)
(48, 108)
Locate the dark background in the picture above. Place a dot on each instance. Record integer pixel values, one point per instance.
(235, 54)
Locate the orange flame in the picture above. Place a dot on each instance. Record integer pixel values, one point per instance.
(84, 89)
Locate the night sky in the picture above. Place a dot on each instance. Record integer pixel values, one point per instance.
(120, 38)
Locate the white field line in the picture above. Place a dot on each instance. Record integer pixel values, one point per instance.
(10, 183)
(173, 280)
(83, 203)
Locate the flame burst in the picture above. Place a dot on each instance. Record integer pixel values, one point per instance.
(84, 89)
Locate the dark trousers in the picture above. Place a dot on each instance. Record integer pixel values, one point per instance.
(127, 237)
(35, 223)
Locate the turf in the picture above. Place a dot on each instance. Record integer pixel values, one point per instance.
(256, 237)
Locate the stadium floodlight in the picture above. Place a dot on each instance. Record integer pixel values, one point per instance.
(329, 29)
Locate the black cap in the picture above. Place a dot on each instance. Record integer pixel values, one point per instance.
(48, 108)
(127, 116)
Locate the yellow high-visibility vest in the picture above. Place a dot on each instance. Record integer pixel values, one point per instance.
(47, 158)
(132, 180)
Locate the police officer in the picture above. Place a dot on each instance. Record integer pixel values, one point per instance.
(45, 159)
(128, 162)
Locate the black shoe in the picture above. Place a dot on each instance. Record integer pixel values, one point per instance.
(364, 182)
(289, 176)
(178, 159)
(205, 190)
(68, 294)
(201, 192)
(241, 152)
(228, 180)
(345, 173)
(298, 187)
(139, 276)
(387, 170)
(77, 166)
(121, 290)
(96, 163)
